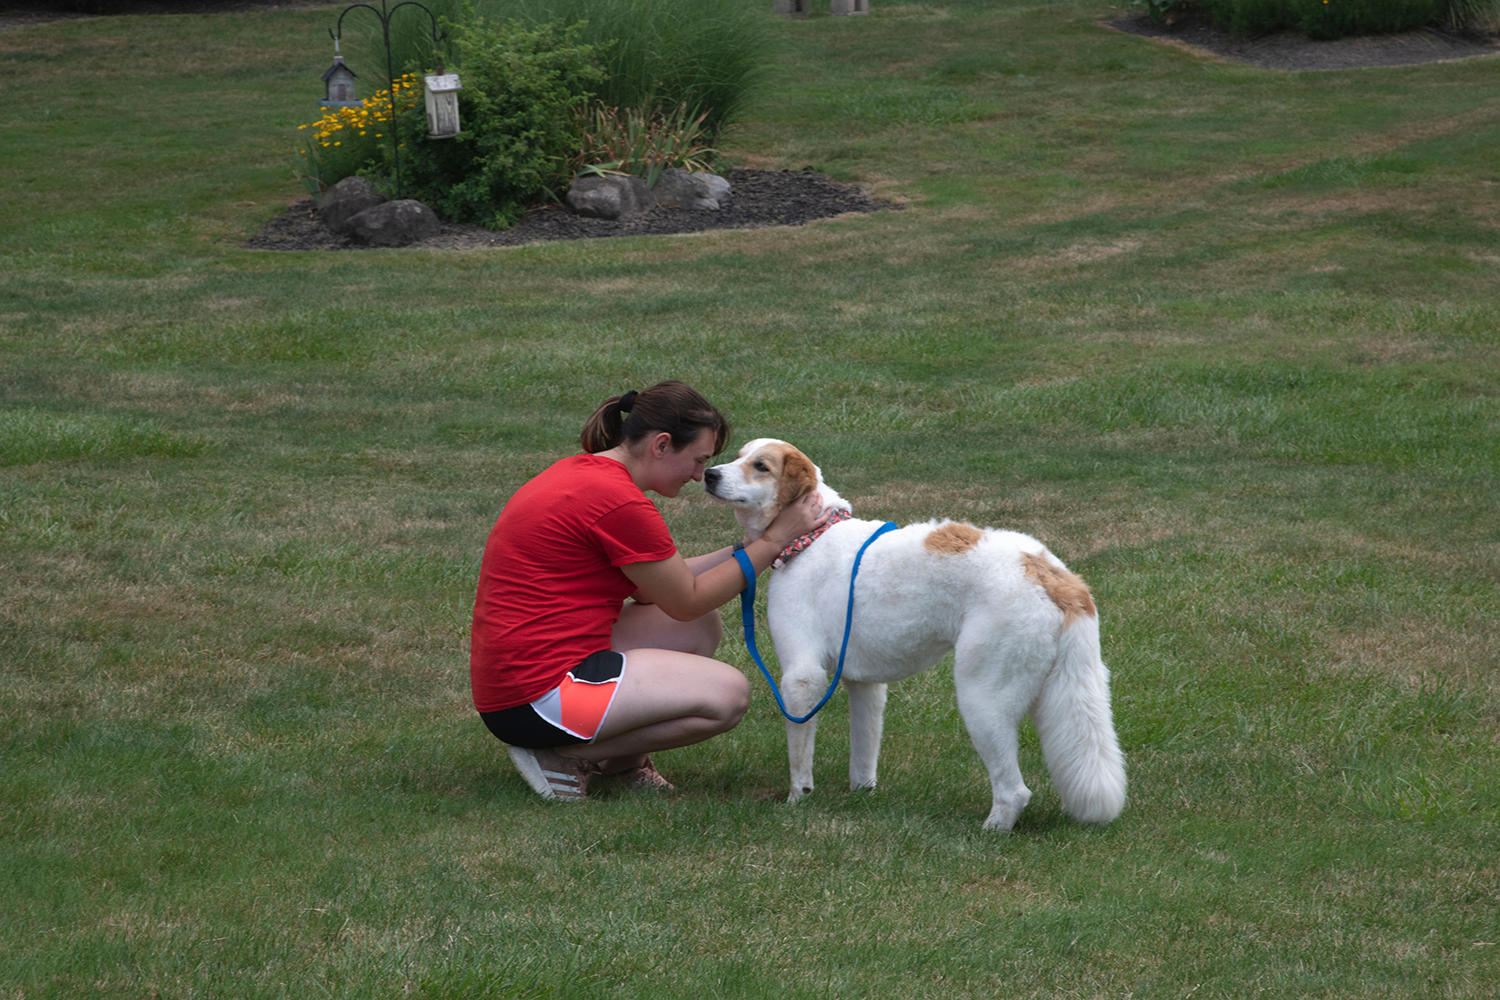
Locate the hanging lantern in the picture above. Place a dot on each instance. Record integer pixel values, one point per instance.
(441, 93)
(338, 83)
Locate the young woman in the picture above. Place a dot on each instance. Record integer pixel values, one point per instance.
(578, 682)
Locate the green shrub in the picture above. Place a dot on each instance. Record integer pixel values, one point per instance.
(1327, 19)
(660, 54)
(518, 109)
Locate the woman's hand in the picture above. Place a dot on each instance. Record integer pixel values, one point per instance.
(797, 520)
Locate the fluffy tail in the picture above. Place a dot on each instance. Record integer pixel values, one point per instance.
(1076, 730)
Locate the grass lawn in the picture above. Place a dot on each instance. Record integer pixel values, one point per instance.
(1225, 338)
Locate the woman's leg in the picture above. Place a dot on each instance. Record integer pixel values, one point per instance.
(667, 699)
(673, 694)
(645, 626)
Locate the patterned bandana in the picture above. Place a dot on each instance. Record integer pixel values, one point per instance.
(798, 544)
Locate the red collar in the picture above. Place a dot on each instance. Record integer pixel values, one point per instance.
(802, 542)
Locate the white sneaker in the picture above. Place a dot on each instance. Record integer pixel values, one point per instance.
(551, 775)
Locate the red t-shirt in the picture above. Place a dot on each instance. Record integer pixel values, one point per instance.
(550, 587)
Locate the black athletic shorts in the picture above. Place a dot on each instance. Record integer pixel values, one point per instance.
(570, 713)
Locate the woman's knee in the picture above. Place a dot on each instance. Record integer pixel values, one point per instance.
(725, 697)
(736, 696)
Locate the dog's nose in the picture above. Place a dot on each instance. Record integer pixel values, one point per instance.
(711, 477)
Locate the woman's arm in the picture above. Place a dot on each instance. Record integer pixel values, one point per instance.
(688, 589)
(708, 560)
(695, 565)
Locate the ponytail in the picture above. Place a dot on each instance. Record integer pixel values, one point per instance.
(605, 428)
(667, 406)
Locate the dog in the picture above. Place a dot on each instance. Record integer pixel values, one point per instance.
(1023, 630)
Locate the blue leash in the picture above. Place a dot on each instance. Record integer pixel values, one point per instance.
(747, 615)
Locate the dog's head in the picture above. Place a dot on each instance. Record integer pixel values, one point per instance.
(767, 476)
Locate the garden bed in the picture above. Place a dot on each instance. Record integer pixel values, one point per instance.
(757, 198)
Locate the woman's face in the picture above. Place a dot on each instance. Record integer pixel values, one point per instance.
(675, 468)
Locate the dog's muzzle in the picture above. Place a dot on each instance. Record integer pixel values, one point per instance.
(711, 479)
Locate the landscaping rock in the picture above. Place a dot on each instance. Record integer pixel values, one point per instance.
(394, 224)
(345, 200)
(718, 187)
(676, 188)
(609, 196)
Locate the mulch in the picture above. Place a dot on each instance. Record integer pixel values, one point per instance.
(757, 198)
(1287, 50)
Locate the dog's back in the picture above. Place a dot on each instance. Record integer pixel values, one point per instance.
(919, 588)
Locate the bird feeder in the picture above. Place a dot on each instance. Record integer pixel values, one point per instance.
(441, 93)
(338, 83)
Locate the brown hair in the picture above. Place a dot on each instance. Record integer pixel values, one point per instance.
(672, 407)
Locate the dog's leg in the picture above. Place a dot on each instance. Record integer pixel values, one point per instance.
(801, 688)
(992, 705)
(866, 721)
(800, 737)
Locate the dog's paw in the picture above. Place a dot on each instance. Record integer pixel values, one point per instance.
(797, 792)
(1004, 811)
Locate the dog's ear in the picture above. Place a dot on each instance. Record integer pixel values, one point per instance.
(799, 477)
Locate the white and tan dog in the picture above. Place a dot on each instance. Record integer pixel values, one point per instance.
(1023, 631)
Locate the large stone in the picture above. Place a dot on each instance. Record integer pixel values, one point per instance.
(676, 188)
(609, 196)
(345, 200)
(718, 187)
(394, 224)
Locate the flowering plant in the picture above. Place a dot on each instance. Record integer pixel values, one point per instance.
(347, 141)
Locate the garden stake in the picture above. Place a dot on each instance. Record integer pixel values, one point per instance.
(390, 75)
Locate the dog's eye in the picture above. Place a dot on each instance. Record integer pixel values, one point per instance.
(762, 467)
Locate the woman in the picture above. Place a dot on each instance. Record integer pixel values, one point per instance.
(576, 681)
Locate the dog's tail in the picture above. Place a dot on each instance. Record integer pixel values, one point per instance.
(1077, 732)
